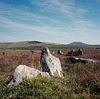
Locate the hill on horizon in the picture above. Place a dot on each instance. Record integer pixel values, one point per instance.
(38, 45)
(77, 43)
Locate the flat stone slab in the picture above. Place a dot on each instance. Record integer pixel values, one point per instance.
(80, 60)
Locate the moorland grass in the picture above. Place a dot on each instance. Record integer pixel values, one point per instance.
(81, 81)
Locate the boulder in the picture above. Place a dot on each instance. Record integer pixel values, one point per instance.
(60, 52)
(75, 52)
(71, 60)
(23, 71)
(50, 63)
(80, 60)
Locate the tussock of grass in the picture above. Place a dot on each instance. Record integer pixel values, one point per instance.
(39, 88)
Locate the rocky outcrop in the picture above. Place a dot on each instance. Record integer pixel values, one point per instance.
(23, 71)
(50, 63)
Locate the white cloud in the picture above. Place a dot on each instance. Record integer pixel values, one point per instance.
(41, 29)
(28, 21)
(14, 13)
(70, 34)
(65, 7)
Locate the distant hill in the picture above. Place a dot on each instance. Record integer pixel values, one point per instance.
(32, 45)
(77, 43)
(38, 45)
(35, 42)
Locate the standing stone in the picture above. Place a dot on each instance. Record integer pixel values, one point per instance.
(50, 63)
(23, 71)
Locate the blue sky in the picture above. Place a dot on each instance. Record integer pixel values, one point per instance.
(58, 21)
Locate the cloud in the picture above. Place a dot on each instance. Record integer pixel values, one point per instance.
(65, 7)
(53, 31)
(60, 20)
(71, 34)
(41, 29)
(23, 14)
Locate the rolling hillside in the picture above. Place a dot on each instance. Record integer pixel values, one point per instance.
(37, 45)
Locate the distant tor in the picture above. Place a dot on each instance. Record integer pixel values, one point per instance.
(77, 43)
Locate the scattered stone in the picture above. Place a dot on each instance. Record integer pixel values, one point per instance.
(71, 60)
(97, 48)
(50, 63)
(59, 52)
(71, 52)
(80, 60)
(32, 52)
(75, 52)
(3, 53)
(23, 71)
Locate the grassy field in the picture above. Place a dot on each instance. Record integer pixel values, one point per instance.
(81, 81)
(35, 45)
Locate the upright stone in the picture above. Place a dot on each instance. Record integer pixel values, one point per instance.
(50, 63)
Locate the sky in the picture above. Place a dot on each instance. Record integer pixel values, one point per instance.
(57, 21)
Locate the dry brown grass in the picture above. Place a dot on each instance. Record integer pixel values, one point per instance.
(92, 54)
(20, 57)
(78, 77)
